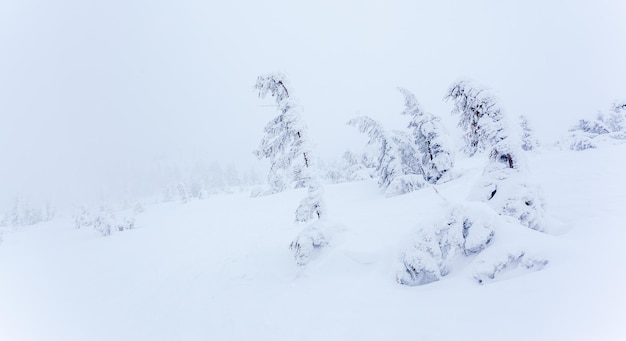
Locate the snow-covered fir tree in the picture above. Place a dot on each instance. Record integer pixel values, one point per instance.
(397, 163)
(409, 155)
(431, 139)
(479, 116)
(389, 164)
(287, 146)
(529, 140)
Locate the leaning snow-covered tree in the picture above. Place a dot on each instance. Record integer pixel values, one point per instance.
(431, 139)
(389, 164)
(397, 164)
(479, 116)
(287, 146)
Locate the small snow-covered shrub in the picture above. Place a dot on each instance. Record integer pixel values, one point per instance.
(581, 141)
(309, 241)
(102, 220)
(507, 266)
(138, 208)
(257, 192)
(595, 126)
(404, 184)
(103, 223)
(467, 230)
(349, 168)
(420, 267)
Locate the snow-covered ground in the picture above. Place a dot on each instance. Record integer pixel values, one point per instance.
(221, 269)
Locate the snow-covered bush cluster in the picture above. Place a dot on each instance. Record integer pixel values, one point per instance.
(203, 181)
(605, 126)
(22, 213)
(351, 167)
(466, 230)
(104, 220)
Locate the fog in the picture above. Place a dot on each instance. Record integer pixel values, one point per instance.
(96, 95)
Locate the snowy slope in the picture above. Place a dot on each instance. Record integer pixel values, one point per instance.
(220, 269)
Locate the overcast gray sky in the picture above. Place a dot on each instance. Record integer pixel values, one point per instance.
(93, 93)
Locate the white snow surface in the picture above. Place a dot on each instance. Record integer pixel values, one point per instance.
(221, 268)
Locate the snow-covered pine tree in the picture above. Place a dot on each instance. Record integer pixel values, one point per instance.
(349, 168)
(409, 155)
(288, 147)
(479, 116)
(529, 140)
(430, 137)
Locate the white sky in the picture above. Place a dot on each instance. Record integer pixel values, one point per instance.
(93, 93)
